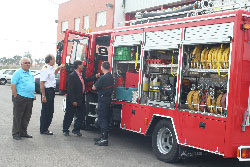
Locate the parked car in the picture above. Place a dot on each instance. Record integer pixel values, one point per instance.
(6, 76)
(37, 82)
(34, 72)
(2, 71)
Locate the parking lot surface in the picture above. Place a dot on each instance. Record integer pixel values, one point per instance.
(126, 149)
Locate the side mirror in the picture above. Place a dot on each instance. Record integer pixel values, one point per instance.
(59, 52)
(58, 58)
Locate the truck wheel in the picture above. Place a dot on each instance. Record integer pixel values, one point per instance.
(3, 81)
(164, 142)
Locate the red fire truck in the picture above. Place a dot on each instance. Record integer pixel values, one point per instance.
(184, 81)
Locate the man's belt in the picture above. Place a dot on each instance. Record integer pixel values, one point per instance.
(107, 87)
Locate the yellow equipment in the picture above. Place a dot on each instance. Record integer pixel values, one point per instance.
(190, 99)
(211, 104)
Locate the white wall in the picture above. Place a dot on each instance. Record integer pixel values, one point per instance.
(119, 15)
(137, 5)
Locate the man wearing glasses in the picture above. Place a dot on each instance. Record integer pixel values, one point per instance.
(23, 88)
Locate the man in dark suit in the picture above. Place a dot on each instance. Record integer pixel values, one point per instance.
(75, 100)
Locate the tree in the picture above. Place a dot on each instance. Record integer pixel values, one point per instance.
(17, 59)
(28, 55)
(3, 60)
(10, 61)
(39, 61)
(6, 61)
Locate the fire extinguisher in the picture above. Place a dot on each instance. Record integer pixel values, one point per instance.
(119, 81)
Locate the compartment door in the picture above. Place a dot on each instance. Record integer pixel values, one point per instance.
(133, 118)
(139, 114)
(208, 134)
(126, 116)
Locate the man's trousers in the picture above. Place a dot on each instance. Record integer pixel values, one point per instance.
(71, 111)
(47, 110)
(22, 110)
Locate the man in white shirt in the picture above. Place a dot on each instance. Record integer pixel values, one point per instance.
(47, 86)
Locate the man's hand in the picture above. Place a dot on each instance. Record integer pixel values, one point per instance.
(62, 66)
(59, 68)
(93, 88)
(97, 75)
(13, 89)
(75, 104)
(35, 98)
(44, 100)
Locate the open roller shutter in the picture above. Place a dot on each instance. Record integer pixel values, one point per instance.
(216, 33)
(128, 40)
(165, 40)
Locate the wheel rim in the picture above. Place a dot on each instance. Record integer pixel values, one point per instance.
(2, 81)
(164, 140)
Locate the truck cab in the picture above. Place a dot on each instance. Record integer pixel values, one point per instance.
(90, 48)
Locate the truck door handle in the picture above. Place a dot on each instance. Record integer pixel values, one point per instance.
(133, 112)
(202, 125)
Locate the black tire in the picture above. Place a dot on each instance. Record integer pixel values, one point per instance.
(164, 142)
(3, 81)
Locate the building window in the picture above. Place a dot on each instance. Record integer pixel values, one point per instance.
(65, 25)
(77, 24)
(86, 22)
(101, 19)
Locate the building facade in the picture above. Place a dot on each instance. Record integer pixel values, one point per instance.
(100, 15)
(81, 15)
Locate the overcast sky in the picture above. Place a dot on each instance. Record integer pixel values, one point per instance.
(28, 26)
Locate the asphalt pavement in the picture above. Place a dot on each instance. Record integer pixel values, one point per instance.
(125, 149)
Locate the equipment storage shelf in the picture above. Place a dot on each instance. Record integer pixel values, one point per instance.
(204, 82)
(159, 78)
(163, 65)
(126, 65)
(208, 70)
(129, 61)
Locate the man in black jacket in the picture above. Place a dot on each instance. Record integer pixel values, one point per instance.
(104, 86)
(75, 100)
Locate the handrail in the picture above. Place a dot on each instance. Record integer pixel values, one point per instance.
(246, 115)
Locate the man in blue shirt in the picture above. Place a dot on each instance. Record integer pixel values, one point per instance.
(23, 88)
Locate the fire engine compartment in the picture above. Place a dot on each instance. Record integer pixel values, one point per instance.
(159, 78)
(148, 74)
(126, 71)
(204, 79)
(158, 83)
